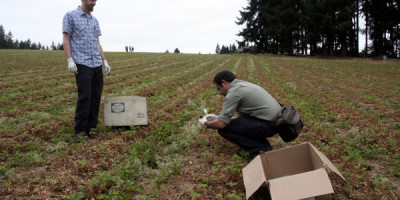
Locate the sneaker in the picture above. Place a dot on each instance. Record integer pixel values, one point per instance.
(94, 133)
(81, 135)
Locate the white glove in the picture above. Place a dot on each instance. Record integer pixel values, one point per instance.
(72, 66)
(202, 120)
(209, 117)
(106, 66)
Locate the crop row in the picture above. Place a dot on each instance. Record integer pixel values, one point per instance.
(349, 107)
(167, 88)
(349, 134)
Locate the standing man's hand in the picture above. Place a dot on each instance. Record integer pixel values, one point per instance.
(72, 66)
(106, 66)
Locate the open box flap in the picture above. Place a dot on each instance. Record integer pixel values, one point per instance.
(253, 176)
(301, 186)
(328, 163)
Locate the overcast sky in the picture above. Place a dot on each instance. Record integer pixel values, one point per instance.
(193, 26)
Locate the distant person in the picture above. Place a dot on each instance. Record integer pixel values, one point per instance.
(85, 57)
(257, 112)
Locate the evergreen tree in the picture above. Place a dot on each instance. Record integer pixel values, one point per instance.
(33, 46)
(177, 50)
(253, 25)
(53, 46)
(382, 26)
(311, 20)
(233, 48)
(60, 46)
(21, 44)
(392, 23)
(9, 43)
(357, 28)
(16, 44)
(28, 44)
(217, 49)
(223, 50)
(291, 27)
(2, 37)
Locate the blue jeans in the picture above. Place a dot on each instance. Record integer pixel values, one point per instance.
(249, 133)
(90, 86)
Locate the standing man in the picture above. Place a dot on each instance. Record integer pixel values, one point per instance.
(257, 112)
(85, 57)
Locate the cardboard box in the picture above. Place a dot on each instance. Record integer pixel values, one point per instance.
(125, 111)
(295, 172)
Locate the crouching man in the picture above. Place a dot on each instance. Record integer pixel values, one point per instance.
(257, 112)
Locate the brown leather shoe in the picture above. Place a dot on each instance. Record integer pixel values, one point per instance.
(81, 135)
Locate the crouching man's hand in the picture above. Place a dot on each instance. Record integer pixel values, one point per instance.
(208, 117)
(211, 121)
(211, 117)
(215, 124)
(202, 120)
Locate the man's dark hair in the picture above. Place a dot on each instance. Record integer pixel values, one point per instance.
(224, 75)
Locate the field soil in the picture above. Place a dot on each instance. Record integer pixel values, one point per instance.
(350, 108)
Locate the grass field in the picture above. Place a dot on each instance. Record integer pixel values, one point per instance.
(350, 108)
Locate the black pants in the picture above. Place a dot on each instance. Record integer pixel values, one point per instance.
(90, 86)
(249, 133)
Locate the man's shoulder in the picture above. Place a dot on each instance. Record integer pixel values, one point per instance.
(235, 89)
(248, 85)
(240, 84)
(244, 88)
(72, 11)
(76, 11)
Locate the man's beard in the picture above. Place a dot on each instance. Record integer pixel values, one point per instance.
(89, 8)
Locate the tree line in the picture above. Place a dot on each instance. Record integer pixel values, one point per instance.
(321, 27)
(225, 49)
(7, 42)
(175, 51)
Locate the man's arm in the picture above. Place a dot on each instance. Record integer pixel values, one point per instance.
(101, 49)
(215, 124)
(67, 49)
(67, 44)
(105, 63)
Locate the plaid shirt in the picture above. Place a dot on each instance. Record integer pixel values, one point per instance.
(84, 31)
